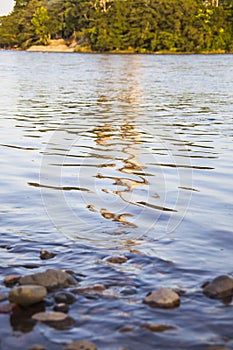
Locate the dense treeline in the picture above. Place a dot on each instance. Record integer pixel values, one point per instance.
(122, 25)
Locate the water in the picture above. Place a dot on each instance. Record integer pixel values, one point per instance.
(119, 154)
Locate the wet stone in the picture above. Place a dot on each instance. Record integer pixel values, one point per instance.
(49, 316)
(117, 259)
(61, 307)
(163, 298)
(157, 327)
(50, 279)
(81, 345)
(27, 295)
(6, 308)
(11, 280)
(36, 347)
(45, 255)
(64, 297)
(221, 287)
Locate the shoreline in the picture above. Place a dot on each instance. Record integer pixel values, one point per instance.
(62, 46)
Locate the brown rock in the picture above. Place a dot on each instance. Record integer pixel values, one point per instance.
(36, 347)
(163, 298)
(6, 308)
(221, 287)
(11, 280)
(157, 327)
(81, 345)
(50, 279)
(27, 295)
(44, 255)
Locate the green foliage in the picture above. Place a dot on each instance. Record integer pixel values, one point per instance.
(40, 22)
(122, 25)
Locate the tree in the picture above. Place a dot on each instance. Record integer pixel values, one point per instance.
(40, 22)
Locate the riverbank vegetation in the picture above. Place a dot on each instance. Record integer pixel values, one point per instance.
(143, 26)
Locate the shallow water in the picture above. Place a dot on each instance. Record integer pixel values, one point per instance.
(119, 154)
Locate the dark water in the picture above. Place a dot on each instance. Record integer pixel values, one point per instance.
(105, 155)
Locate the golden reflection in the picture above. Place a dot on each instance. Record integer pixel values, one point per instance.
(119, 140)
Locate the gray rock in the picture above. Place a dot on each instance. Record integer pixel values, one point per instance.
(27, 295)
(50, 279)
(81, 345)
(163, 298)
(221, 287)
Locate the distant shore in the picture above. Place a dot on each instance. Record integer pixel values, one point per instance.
(61, 45)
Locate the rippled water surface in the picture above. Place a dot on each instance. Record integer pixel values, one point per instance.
(120, 154)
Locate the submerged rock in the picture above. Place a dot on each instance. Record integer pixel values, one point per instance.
(50, 279)
(81, 345)
(27, 295)
(117, 259)
(221, 287)
(64, 297)
(36, 347)
(157, 327)
(163, 298)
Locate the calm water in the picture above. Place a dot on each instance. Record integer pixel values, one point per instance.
(120, 154)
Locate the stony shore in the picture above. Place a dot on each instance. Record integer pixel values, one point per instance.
(47, 298)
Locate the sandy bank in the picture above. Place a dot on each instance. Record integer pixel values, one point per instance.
(59, 45)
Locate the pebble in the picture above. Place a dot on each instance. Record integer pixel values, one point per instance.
(81, 345)
(11, 280)
(6, 308)
(157, 327)
(45, 255)
(27, 295)
(50, 279)
(117, 259)
(163, 298)
(221, 287)
(36, 347)
(62, 307)
(64, 297)
(50, 316)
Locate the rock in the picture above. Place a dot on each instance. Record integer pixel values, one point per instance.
(44, 255)
(218, 348)
(36, 347)
(65, 297)
(157, 327)
(96, 290)
(163, 298)
(50, 316)
(50, 279)
(61, 307)
(221, 287)
(27, 295)
(117, 259)
(81, 345)
(6, 308)
(11, 280)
